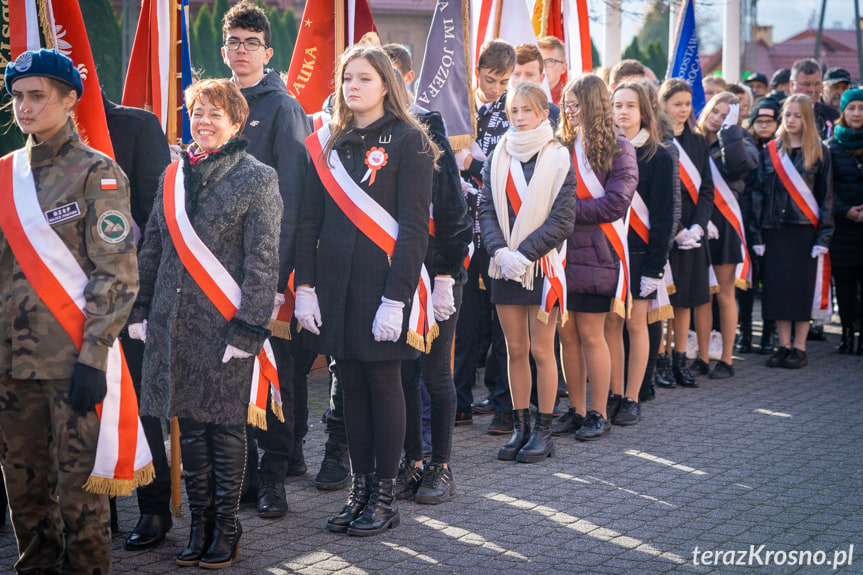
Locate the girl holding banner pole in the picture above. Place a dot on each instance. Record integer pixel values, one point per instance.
(733, 156)
(525, 215)
(792, 206)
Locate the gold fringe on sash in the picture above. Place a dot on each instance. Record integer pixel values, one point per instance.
(280, 329)
(257, 417)
(714, 290)
(619, 307)
(742, 284)
(660, 313)
(416, 341)
(544, 316)
(459, 143)
(277, 409)
(671, 289)
(114, 487)
(431, 336)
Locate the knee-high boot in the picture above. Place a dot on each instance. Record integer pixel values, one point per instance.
(199, 490)
(228, 446)
(520, 435)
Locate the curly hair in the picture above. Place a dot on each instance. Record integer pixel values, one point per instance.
(248, 16)
(597, 124)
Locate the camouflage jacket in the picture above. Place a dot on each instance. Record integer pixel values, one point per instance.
(75, 189)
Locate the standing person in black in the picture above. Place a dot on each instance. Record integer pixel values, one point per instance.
(806, 79)
(276, 128)
(142, 151)
(357, 273)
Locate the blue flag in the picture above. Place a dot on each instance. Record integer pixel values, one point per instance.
(684, 62)
(186, 63)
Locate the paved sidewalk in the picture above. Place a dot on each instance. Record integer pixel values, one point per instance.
(772, 457)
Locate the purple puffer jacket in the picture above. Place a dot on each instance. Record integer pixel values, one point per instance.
(591, 264)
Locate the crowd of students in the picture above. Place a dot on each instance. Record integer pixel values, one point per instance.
(565, 249)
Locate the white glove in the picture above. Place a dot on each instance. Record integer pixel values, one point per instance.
(388, 320)
(443, 301)
(307, 310)
(138, 331)
(650, 285)
(818, 251)
(682, 237)
(696, 232)
(231, 352)
(712, 231)
(512, 264)
(279, 300)
(733, 115)
(759, 249)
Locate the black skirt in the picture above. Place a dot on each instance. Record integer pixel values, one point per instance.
(726, 249)
(636, 262)
(691, 272)
(506, 292)
(788, 273)
(588, 302)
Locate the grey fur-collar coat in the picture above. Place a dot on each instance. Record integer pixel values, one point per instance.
(234, 205)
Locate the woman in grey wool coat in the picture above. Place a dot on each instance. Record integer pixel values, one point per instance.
(197, 365)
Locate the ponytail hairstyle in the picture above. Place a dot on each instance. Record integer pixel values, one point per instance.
(597, 123)
(810, 142)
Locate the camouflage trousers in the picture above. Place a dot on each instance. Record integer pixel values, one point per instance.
(47, 454)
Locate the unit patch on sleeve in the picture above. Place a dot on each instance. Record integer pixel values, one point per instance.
(63, 213)
(113, 227)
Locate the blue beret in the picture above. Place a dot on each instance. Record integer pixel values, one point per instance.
(854, 94)
(50, 63)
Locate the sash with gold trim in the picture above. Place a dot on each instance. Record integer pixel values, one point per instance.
(639, 221)
(689, 175)
(221, 289)
(730, 209)
(123, 458)
(379, 226)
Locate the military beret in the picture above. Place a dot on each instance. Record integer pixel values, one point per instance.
(49, 63)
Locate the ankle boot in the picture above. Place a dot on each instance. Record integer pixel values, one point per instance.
(744, 344)
(520, 435)
(540, 445)
(335, 472)
(681, 371)
(846, 344)
(228, 447)
(357, 500)
(381, 512)
(767, 345)
(664, 377)
(199, 491)
(647, 392)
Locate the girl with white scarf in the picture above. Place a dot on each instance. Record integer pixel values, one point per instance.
(523, 228)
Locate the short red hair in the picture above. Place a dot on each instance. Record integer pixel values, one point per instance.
(223, 94)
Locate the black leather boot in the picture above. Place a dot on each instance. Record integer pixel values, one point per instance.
(846, 344)
(335, 472)
(520, 435)
(664, 377)
(681, 370)
(647, 391)
(744, 344)
(381, 512)
(540, 445)
(357, 500)
(228, 448)
(767, 345)
(199, 491)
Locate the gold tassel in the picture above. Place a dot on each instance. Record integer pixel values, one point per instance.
(257, 417)
(277, 409)
(564, 317)
(618, 307)
(434, 331)
(145, 475)
(280, 329)
(742, 284)
(481, 283)
(45, 23)
(671, 290)
(459, 143)
(714, 290)
(660, 313)
(115, 487)
(542, 315)
(416, 341)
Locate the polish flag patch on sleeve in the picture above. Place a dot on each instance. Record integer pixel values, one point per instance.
(109, 183)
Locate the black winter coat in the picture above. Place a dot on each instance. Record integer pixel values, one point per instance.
(655, 177)
(697, 148)
(736, 157)
(773, 207)
(349, 272)
(846, 247)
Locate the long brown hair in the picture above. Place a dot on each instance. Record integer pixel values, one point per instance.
(672, 86)
(648, 122)
(810, 143)
(597, 123)
(722, 97)
(396, 100)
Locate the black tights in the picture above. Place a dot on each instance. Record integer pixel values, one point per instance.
(848, 281)
(374, 412)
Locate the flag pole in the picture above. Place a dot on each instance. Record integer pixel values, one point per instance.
(498, 12)
(171, 124)
(543, 26)
(340, 29)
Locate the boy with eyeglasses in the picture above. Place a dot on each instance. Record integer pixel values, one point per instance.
(554, 60)
(276, 130)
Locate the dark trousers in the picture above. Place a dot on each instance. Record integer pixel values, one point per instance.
(155, 498)
(435, 370)
(374, 412)
(849, 283)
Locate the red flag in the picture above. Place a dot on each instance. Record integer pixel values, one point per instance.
(578, 50)
(548, 18)
(71, 40)
(313, 65)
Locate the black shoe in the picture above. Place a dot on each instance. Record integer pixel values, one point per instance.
(647, 392)
(463, 418)
(680, 371)
(540, 445)
(335, 470)
(664, 377)
(569, 422)
(816, 333)
(778, 357)
(629, 412)
(795, 360)
(297, 466)
(594, 427)
(381, 512)
(408, 480)
(699, 367)
(501, 423)
(357, 499)
(437, 485)
(483, 407)
(148, 533)
(744, 343)
(767, 346)
(722, 370)
(846, 344)
(562, 391)
(612, 405)
(520, 435)
(272, 502)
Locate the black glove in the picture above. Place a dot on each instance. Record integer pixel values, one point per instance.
(87, 389)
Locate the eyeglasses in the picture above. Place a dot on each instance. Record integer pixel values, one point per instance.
(250, 44)
(570, 107)
(553, 62)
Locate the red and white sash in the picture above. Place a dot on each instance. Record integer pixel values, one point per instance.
(616, 231)
(639, 218)
(379, 226)
(689, 175)
(123, 458)
(795, 185)
(639, 221)
(730, 209)
(280, 320)
(553, 264)
(220, 288)
(319, 119)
